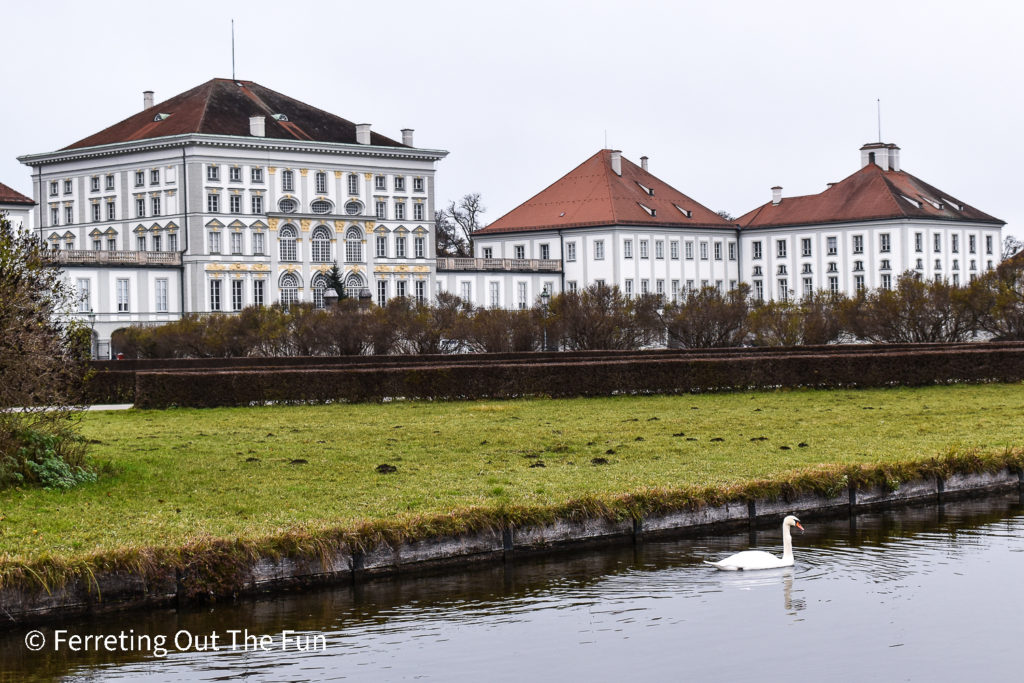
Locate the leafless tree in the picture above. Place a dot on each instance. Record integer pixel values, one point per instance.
(456, 223)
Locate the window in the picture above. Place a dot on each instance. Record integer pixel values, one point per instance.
(257, 292)
(645, 286)
(780, 248)
(858, 244)
(833, 267)
(783, 289)
(161, 294)
(237, 294)
(288, 205)
(256, 174)
(320, 207)
(938, 264)
(382, 210)
(154, 203)
(382, 246)
(643, 249)
(918, 242)
(140, 243)
(718, 251)
(321, 182)
(94, 183)
(757, 271)
(417, 212)
(420, 247)
(833, 284)
(832, 245)
(257, 203)
(321, 245)
(988, 246)
(215, 294)
(659, 287)
(54, 216)
(122, 295)
(212, 203)
(258, 244)
(213, 241)
(920, 264)
(885, 264)
(380, 182)
(399, 211)
(974, 264)
(570, 251)
(417, 184)
(172, 242)
(599, 250)
(287, 181)
(703, 251)
(289, 289)
(140, 178)
(382, 292)
(111, 211)
(675, 290)
(95, 213)
(467, 291)
(488, 252)
(421, 291)
(627, 249)
(212, 173)
(84, 305)
(858, 266)
(673, 249)
(629, 286)
(353, 208)
(319, 287)
(937, 242)
(353, 245)
(236, 243)
(956, 264)
(400, 247)
(659, 249)
(689, 286)
(805, 246)
(235, 174)
(807, 268)
(156, 243)
(858, 283)
(808, 286)
(956, 279)
(353, 184)
(110, 182)
(140, 207)
(399, 183)
(732, 251)
(521, 291)
(758, 290)
(756, 249)
(154, 176)
(53, 188)
(494, 294)
(884, 243)
(286, 244)
(571, 284)
(972, 244)
(886, 281)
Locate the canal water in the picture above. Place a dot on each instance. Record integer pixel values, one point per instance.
(920, 594)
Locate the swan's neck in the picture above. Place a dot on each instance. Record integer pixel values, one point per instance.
(787, 544)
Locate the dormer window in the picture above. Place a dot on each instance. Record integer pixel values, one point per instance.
(688, 214)
(648, 209)
(646, 189)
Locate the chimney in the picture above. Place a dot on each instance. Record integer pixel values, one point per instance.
(830, 185)
(407, 137)
(776, 195)
(643, 163)
(616, 156)
(363, 133)
(147, 99)
(894, 157)
(258, 126)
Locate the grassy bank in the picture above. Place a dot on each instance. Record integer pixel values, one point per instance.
(289, 478)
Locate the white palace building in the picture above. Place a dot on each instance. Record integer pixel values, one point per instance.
(231, 194)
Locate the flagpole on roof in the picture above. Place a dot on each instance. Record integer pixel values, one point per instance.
(232, 49)
(879, 101)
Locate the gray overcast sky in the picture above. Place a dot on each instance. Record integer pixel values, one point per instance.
(726, 98)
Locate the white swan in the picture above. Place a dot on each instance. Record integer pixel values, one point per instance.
(758, 559)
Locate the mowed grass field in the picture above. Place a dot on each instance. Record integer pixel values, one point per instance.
(181, 476)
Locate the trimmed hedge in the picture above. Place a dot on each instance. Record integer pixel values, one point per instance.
(601, 377)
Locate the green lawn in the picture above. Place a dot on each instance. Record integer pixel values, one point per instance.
(187, 475)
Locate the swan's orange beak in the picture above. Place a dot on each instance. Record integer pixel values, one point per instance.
(799, 526)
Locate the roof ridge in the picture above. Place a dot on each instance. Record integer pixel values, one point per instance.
(206, 101)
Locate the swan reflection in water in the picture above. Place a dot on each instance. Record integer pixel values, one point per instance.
(766, 578)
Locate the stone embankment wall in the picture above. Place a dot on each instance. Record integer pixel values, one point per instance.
(112, 591)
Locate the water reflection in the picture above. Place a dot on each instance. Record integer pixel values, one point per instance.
(889, 586)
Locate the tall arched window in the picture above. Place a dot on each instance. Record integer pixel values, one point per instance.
(353, 245)
(286, 238)
(353, 284)
(319, 286)
(289, 289)
(321, 245)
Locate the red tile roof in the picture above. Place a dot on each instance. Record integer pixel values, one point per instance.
(869, 194)
(223, 107)
(11, 196)
(592, 194)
